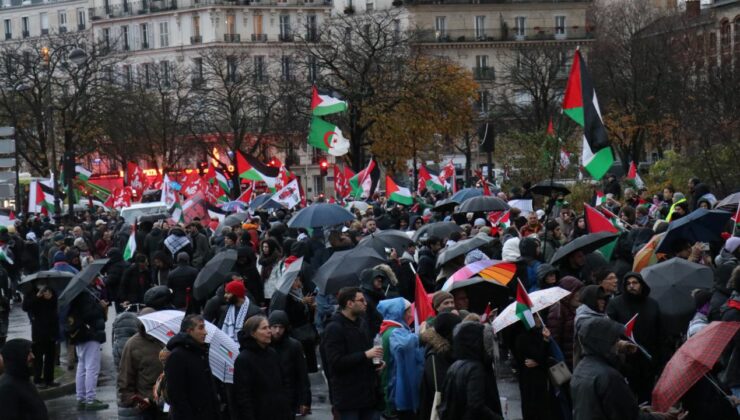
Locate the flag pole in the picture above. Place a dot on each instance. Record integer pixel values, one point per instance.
(734, 225)
(550, 203)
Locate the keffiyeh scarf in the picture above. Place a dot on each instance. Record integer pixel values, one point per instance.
(234, 322)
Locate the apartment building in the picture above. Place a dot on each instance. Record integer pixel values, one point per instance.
(27, 19)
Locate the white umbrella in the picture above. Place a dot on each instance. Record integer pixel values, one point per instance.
(541, 299)
(222, 351)
(289, 276)
(359, 205)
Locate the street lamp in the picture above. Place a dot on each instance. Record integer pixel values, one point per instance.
(78, 57)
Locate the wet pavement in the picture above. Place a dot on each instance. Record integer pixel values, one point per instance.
(65, 407)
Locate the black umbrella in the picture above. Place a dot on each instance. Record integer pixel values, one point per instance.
(547, 188)
(484, 203)
(343, 268)
(447, 204)
(729, 203)
(264, 201)
(54, 279)
(80, 281)
(214, 273)
(320, 215)
(466, 194)
(481, 292)
(671, 283)
(701, 225)
(586, 243)
(231, 220)
(462, 248)
(439, 229)
(382, 239)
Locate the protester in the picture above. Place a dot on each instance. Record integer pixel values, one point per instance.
(437, 359)
(135, 282)
(181, 280)
(532, 352)
(138, 373)
(373, 283)
(237, 310)
(561, 318)
(18, 397)
(292, 362)
(41, 305)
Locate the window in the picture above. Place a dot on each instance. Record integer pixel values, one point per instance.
(369, 5)
(8, 29)
(285, 28)
(164, 71)
(106, 38)
(25, 26)
(128, 76)
(125, 38)
(725, 37)
(231, 69)
(44, 18)
(737, 41)
(258, 24)
(197, 71)
(230, 24)
(520, 25)
(480, 27)
(482, 103)
(164, 37)
(397, 29)
(196, 25)
(559, 26)
(144, 36)
(440, 26)
(62, 21)
(482, 71)
(312, 33)
(313, 69)
(481, 61)
(146, 69)
(259, 67)
(81, 20)
(285, 67)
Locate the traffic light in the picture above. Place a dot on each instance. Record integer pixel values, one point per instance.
(324, 166)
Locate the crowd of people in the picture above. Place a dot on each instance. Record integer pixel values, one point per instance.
(378, 360)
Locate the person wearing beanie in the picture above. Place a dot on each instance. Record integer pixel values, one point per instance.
(437, 358)
(292, 361)
(61, 264)
(443, 302)
(237, 310)
(19, 399)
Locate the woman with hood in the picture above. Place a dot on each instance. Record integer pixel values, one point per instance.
(373, 283)
(259, 388)
(593, 300)
(19, 399)
(437, 360)
(528, 263)
(469, 391)
(532, 351)
(403, 357)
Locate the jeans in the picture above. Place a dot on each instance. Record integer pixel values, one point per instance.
(366, 414)
(44, 353)
(88, 368)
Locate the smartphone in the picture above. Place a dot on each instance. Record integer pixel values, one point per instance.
(705, 247)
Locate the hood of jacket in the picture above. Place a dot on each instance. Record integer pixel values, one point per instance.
(158, 298)
(644, 291)
(510, 250)
(435, 342)
(528, 248)
(590, 295)
(393, 309)
(184, 340)
(114, 255)
(467, 343)
(594, 261)
(571, 284)
(15, 357)
(598, 336)
(542, 272)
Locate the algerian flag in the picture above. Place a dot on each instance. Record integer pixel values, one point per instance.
(130, 250)
(325, 104)
(581, 105)
(328, 137)
(397, 193)
(524, 306)
(82, 173)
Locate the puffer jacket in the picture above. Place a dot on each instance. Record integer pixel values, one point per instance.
(125, 326)
(139, 368)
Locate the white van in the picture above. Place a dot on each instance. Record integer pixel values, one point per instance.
(136, 211)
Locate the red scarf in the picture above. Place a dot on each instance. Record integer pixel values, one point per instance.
(387, 324)
(734, 304)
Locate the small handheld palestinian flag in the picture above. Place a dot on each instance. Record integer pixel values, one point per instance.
(486, 314)
(322, 104)
(524, 306)
(628, 332)
(130, 249)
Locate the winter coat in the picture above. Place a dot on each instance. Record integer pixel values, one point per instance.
(599, 391)
(352, 377)
(43, 315)
(561, 319)
(114, 269)
(403, 356)
(153, 242)
(404, 272)
(85, 319)
(584, 313)
(125, 326)
(548, 245)
(731, 376)
(134, 284)
(190, 384)
(19, 399)
(139, 369)
(201, 249)
(295, 371)
(469, 391)
(437, 360)
(534, 382)
(427, 267)
(246, 265)
(179, 280)
(373, 296)
(259, 384)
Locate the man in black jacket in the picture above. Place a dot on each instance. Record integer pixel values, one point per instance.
(190, 385)
(349, 353)
(19, 399)
(136, 281)
(180, 279)
(114, 269)
(428, 262)
(292, 361)
(635, 299)
(41, 305)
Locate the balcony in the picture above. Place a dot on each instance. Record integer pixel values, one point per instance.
(197, 39)
(232, 38)
(80, 26)
(287, 37)
(8, 36)
(259, 37)
(144, 45)
(45, 31)
(157, 6)
(484, 73)
(503, 35)
(312, 36)
(25, 34)
(62, 29)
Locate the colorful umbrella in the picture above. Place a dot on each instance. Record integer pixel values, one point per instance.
(694, 359)
(646, 255)
(497, 271)
(222, 350)
(541, 299)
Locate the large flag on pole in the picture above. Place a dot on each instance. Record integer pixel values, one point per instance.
(582, 106)
(397, 193)
(322, 104)
(328, 137)
(289, 195)
(429, 180)
(364, 182)
(633, 176)
(252, 169)
(447, 176)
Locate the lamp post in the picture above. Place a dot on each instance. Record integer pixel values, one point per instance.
(78, 57)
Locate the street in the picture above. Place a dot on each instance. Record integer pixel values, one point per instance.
(65, 407)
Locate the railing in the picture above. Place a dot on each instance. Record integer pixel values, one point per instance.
(80, 26)
(503, 34)
(144, 7)
(483, 73)
(286, 37)
(45, 31)
(259, 37)
(312, 36)
(144, 45)
(8, 36)
(25, 34)
(62, 29)
(197, 39)
(232, 38)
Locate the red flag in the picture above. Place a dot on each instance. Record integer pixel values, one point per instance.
(596, 221)
(629, 326)
(11, 216)
(736, 218)
(246, 196)
(447, 175)
(122, 197)
(486, 313)
(193, 184)
(136, 178)
(348, 174)
(424, 176)
(422, 303)
(550, 129)
(486, 190)
(339, 181)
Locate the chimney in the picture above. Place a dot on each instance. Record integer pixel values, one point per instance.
(693, 8)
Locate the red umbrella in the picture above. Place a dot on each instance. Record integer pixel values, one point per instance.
(693, 360)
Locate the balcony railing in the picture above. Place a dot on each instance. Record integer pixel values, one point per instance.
(286, 37)
(483, 73)
(232, 38)
(259, 37)
(144, 7)
(80, 26)
(504, 34)
(197, 39)
(62, 29)
(25, 34)
(45, 31)
(8, 36)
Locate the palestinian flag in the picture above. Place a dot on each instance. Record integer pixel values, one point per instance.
(325, 104)
(222, 181)
(504, 221)
(41, 197)
(581, 105)
(246, 196)
(328, 137)
(524, 306)
(399, 194)
(600, 198)
(364, 182)
(5, 255)
(176, 212)
(252, 169)
(634, 177)
(429, 180)
(130, 249)
(629, 327)
(596, 222)
(82, 174)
